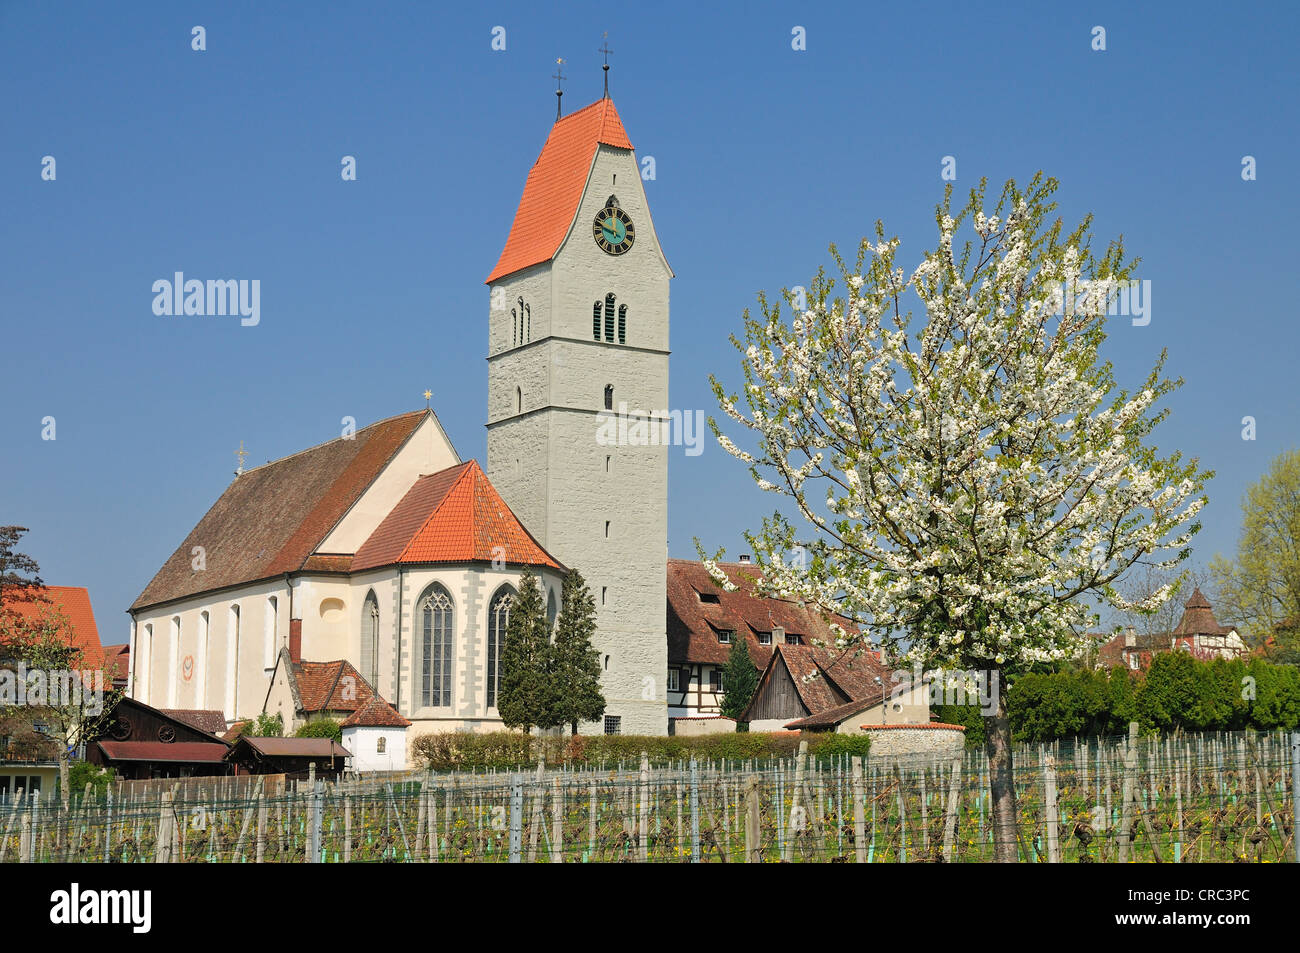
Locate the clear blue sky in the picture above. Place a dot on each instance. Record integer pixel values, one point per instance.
(225, 163)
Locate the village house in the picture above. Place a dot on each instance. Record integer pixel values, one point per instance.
(816, 688)
(1197, 632)
(29, 754)
(803, 674)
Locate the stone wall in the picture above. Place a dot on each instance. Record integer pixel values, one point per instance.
(934, 738)
(694, 727)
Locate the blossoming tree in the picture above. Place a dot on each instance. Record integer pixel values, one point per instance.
(967, 481)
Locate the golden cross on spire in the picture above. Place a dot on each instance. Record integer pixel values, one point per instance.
(240, 453)
(427, 395)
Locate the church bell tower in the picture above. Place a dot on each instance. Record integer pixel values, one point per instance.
(577, 333)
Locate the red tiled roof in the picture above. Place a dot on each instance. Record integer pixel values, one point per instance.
(210, 720)
(453, 516)
(71, 601)
(829, 682)
(376, 713)
(185, 751)
(330, 563)
(117, 659)
(693, 624)
(330, 686)
(271, 518)
(555, 185)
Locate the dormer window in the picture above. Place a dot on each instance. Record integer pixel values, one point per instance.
(725, 636)
(765, 638)
(709, 597)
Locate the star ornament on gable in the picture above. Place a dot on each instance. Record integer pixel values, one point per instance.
(427, 395)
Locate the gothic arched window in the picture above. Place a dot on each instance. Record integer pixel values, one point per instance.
(528, 322)
(519, 400)
(370, 640)
(436, 635)
(595, 321)
(609, 318)
(514, 327)
(550, 611)
(609, 396)
(622, 324)
(498, 619)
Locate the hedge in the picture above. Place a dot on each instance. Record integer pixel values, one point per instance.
(1177, 693)
(502, 750)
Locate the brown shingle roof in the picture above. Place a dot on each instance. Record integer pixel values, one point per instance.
(210, 720)
(693, 624)
(190, 752)
(1198, 618)
(292, 747)
(271, 518)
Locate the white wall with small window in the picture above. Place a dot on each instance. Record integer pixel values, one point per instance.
(376, 749)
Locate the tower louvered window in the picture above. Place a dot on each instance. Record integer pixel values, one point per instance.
(609, 318)
(622, 324)
(595, 321)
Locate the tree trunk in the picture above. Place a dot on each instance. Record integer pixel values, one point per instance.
(65, 781)
(575, 728)
(997, 744)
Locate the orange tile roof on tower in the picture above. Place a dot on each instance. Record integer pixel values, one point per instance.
(453, 516)
(555, 185)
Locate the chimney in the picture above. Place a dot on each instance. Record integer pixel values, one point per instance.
(778, 636)
(295, 640)
(744, 558)
(1130, 637)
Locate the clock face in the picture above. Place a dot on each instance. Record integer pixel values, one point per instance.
(613, 230)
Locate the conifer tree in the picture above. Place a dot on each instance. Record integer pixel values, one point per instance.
(739, 679)
(524, 699)
(576, 664)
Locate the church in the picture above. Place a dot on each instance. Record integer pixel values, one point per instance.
(384, 549)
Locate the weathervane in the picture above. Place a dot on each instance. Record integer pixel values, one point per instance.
(240, 453)
(558, 76)
(606, 50)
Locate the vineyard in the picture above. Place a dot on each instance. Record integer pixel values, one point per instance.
(1195, 798)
